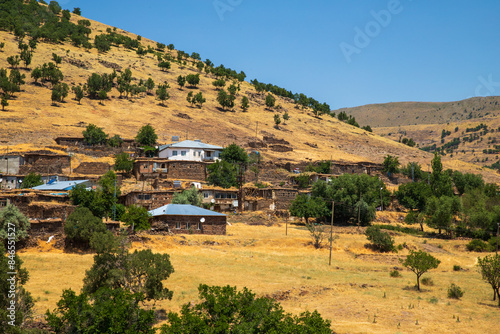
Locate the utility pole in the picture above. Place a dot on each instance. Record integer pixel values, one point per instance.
(498, 236)
(381, 203)
(7, 159)
(412, 173)
(114, 203)
(241, 172)
(331, 234)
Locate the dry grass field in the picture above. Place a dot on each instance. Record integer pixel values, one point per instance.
(356, 292)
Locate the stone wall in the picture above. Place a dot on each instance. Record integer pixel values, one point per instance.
(44, 163)
(190, 224)
(171, 169)
(92, 168)
(46, 226)
(148, 199)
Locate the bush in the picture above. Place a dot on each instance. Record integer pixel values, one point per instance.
(493, 242)
(81, 226)
(456, 267)
(395, 274)
(477, 245)
(427, 281)
(12, 218)
(433, 300)
(380, 240)
(455, 292)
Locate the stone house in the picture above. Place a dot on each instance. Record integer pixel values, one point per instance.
(187, 219)
(170, 169)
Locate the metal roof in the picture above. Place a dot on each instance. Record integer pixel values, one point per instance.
(183, 210)
(191, 144)
(60, 185)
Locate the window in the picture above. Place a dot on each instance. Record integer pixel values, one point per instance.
(205, 194)
(183, 153)
(174, 153)
(178, 225)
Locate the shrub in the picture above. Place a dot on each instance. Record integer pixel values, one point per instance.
(456, 267)
(433, 300)
(477, 245)
(81, 225)
(493, 242)
(380, 240)
(395, 274)
(11, 219)
(427, 281)
(455, 292)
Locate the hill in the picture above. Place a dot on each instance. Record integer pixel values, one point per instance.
(467, 130)
(32, 121)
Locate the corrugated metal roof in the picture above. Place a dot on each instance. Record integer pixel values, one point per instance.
(60, 185)
(183, 210)
(191, 144)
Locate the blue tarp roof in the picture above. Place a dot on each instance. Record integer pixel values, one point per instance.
(183, 210)
(60, 185)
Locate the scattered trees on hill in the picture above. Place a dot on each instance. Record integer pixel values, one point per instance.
(270, 101)
(181, 81)
(420, 262)
(162, 94)
(277, 120)
(219, 83)
(78, 93)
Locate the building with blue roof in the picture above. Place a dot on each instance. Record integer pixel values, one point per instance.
(190, 150)
(62, 185)
(185, 218)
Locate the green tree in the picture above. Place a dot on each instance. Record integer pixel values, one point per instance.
(13, 224)
(4, 102)
(193, 79)
(78, 93)
(440, 211)
(32, 180)
(181, 81)
(306, 207)
(26, 57)
(62, 90)
(219, 83)
(379, 239)
(234, 154)
(162, 94)
(123, 162)
(146, 136)
(36, 74)
(226, 310)
(270, 101)
(57, 59)
(189, 98)
(102, 96)
(54, 7)
(94, 135)
(420, 262)
(138, 217)
(489, 266)
(390, 165)
(199, 99)
(141, 272)
(150, 84)
(244, 103)
(13, 61)
(102, 43)
(467, 182)
(77, 11)
(225, 100)
(105, 311)
(81, 225)
(414, 171)
(277, 119)
(22, 310)
(165, 66)
(414, 195)
(188, 196)
(222, 174)
(441, 182)
(115, 141)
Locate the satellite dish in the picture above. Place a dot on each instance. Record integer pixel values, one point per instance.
(213, 200)
(202, 220)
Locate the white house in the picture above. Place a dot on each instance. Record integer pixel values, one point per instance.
(190, 150)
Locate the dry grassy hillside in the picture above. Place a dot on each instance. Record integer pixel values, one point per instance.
(32, 119)
(415, 113)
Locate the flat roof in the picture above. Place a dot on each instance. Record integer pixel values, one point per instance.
(191, 144)
(60, 185)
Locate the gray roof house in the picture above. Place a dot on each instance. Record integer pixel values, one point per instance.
(190, 150)
(188, 219)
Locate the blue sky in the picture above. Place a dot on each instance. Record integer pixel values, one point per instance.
(344, 52)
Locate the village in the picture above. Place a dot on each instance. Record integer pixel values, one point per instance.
(153, 182)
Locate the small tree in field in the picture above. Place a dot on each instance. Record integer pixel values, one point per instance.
(380, 240)
(277, 119)
(78, 93)
(181, 81)
(137, 216)
(146, 136)
(420, 262)
(489, 266)
(4, 102)
(245, 103)
(270, 101)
